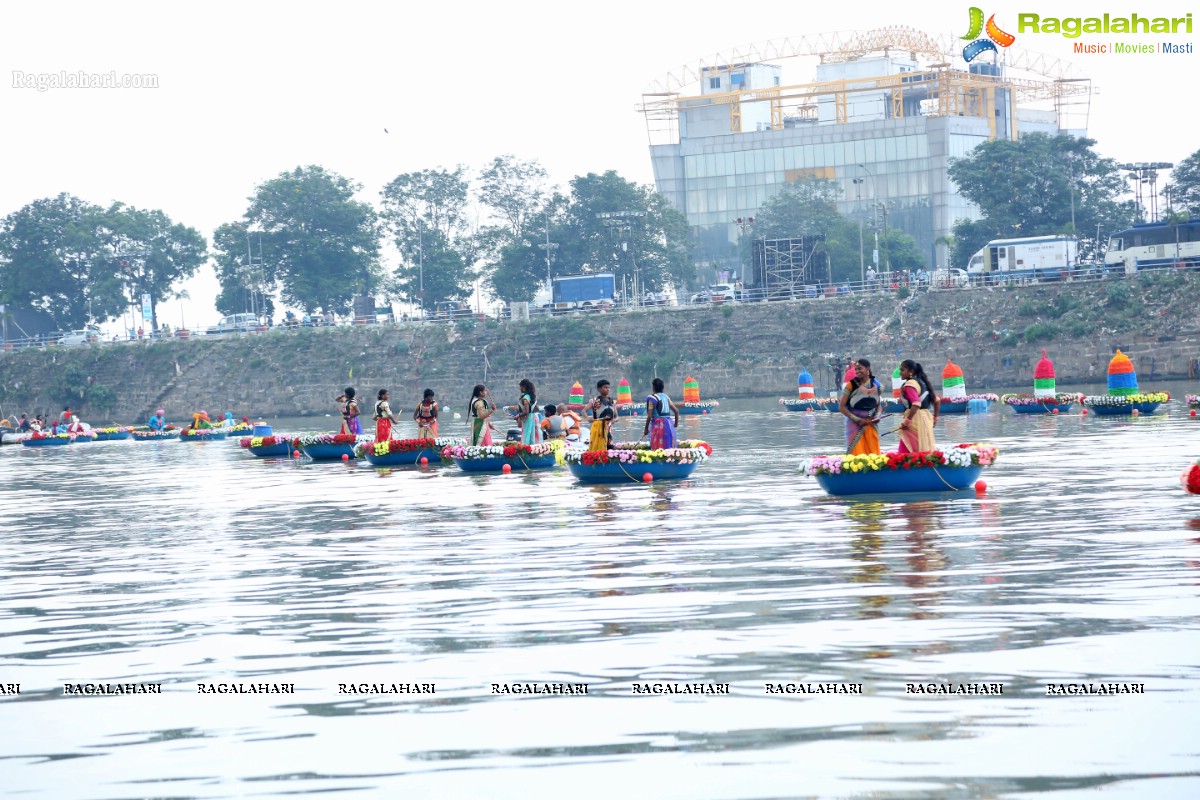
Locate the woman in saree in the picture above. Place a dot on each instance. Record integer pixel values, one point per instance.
(659, 410)
(479, 409)
(426, 416)
(383, 417)
(860, 406)
(348, 407)
(921, 408)
(527, 413)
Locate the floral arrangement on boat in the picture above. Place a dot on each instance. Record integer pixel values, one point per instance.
(685, 452)
(977, 454)
(1058, 399)
(1193, 400)
(147, 434)
(256, 442)
(241, 428)
(954, 398)
(112, 429)
(329, 438)
(42, 439)
(202, 434)
(1191, 478)
(461, 452)
(38, 436)
(692, 404)
(1110, 401)
(391, 446)
(800, 404)
(1123, 395)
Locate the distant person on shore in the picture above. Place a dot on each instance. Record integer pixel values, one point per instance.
(860, 405)
(527, 413)
(659, 410)
(921, 409)
(479, 411)
(348, 407)
(426, 416)
(604, 411)
(383, 417)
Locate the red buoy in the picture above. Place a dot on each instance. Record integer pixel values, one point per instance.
(295, 454)
(424, 461)
(507, 468)
(647, 478)
(345, 456)
(1054, 411)
(980, 487)
(1085, 412)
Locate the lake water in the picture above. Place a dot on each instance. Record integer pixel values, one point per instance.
(195, 565)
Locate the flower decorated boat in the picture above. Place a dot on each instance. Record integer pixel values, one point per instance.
(633, 461)
(1123, 397)
(1108, 406)
(953, 469)
(406, 452)
(692, 404)
(267, 446)
(112, 434)
(625, 405)
(805, 399)
(83, 435)
(328, 446)
(240, 430)
(202, 434)
(1191, 478)
(833, 406)
(1046, 399)
(1192, 400)
(954, 399)
(148, 435)
(495, 458)
(48, 440)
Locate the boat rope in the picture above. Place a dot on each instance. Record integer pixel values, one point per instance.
(943, 480)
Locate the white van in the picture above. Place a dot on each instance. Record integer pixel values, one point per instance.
(238, 322)
(85, 336)
(950, 279)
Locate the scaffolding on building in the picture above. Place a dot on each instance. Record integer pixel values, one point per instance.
(788, 268)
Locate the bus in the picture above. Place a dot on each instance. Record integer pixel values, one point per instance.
(1154, 245)
(1041, 258)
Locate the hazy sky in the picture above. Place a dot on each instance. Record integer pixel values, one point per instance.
(248, 90)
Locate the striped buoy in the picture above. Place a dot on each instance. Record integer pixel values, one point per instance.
(896, 382)
(805, 385)
(1043, 377)
(576, 396)
(691, 390)
(954, 387)
(1122, 380)
(624, 393)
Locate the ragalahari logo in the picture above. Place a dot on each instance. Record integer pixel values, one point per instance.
(995, 36)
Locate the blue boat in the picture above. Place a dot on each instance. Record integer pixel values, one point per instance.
(1125, 410)
(891, 481)
(203, 435)
(112, 437)
(616, 472)
(953, 407)
(406, 459)
(49, 441)
(327, 452)
(801, 405)
(683, 409)
(496, 464)
(1042, 408)
(154, 436)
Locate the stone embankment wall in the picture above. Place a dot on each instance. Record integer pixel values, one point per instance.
(995, 335)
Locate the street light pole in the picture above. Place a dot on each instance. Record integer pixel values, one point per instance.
(862, 264)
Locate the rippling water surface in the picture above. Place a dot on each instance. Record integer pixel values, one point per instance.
(187, 564)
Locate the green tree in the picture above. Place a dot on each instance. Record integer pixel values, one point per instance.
(1185, 185)
(53, 257)
(152, 253)
(610, 224)
(246, 279)
(320, 246)
(514, 191)
(426, 215)
(1028, 187)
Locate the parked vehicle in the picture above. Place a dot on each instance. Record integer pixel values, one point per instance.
(1042, 258)
(950, 279)
(1154, 245)
(85, 336)
(717, 293)
(232, 323)
(579, 293)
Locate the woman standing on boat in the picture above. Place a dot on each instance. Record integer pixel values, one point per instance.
(527, 413)
(479, 409)
(921, 408)
(426, 416)
(349, 409)
(860, 406)
(383, 417)
(659, 409)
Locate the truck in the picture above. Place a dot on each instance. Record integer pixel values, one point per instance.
(1040, 258)
(593, 292)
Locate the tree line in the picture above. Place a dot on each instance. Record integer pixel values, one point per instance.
(305, 237)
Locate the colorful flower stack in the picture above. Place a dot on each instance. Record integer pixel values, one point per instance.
(575, 400)
(691, 399)
(1045, 399)
(894, 406)
(807, 400)
(1123, 396)
(955, 399)
(625, 405)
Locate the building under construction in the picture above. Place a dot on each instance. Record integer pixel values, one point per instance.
(888, 111)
